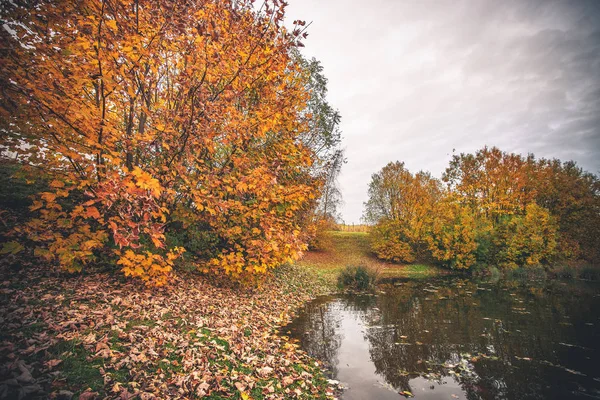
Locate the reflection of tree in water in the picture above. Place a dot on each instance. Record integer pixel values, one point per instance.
(321, 336)
(427, 330)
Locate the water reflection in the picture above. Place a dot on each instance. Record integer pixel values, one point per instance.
(460, 339)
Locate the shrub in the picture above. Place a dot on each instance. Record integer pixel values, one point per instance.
(389, 242)
(590, 272)
(233, 160)
(357, 278)
(452, 235)
(564, 272)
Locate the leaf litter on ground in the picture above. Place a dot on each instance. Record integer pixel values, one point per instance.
(98, 336)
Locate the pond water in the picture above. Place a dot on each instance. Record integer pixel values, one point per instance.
(459, 339)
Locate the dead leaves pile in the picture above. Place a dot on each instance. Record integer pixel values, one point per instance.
(99, 337)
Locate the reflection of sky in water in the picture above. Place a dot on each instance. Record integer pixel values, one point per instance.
(366, 382)
(459, 340)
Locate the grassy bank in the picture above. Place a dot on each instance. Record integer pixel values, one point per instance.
(580, 271)
(99, 336)
(352, 248)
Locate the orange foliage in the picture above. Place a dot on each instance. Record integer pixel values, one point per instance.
(401, 204)
(498, 208)
(389, 242)
(148, 113)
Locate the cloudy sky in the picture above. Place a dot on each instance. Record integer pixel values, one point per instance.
(415, 79)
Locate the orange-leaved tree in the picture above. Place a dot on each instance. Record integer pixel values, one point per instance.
(492, 183)
(153, 118)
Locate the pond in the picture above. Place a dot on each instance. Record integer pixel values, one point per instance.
(459, 339)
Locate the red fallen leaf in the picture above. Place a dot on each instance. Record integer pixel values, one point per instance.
(240, 386)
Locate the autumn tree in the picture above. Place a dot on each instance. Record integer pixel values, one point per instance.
(497, 209)
(499, 186)
(493, 183)
(156, 117)
(526, 240)
(572, 196)
(400, 208)
(452, 234)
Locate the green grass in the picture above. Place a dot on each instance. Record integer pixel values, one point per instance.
(139, 322)
(353, 248)
(77, 369)
(413, 271)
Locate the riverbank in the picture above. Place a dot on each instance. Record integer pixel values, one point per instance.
(352, 249)
(101, 336)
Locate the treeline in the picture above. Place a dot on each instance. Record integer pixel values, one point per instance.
(160, 133)
(490, 208)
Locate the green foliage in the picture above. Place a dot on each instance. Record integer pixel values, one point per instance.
(358, 278)
(16, 190)
(199, 240)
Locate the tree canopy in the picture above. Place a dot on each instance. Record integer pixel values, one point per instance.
(496, 208)
(164, 129)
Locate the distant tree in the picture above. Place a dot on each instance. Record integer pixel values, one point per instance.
(452, 234)
(497, 208)
(323, 137)
(400, 207)
(526, 240)
(331, 195)
(493, 183)
(572, 196)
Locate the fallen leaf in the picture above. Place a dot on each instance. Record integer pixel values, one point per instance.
(52, 363)
(88, 395)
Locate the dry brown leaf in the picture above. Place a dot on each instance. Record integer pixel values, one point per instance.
(88, 395)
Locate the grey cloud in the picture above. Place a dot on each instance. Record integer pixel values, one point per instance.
(415, 79)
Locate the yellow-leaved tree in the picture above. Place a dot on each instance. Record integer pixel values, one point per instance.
(160, 125)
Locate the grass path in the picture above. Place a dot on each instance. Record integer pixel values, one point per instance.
(352, 248)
